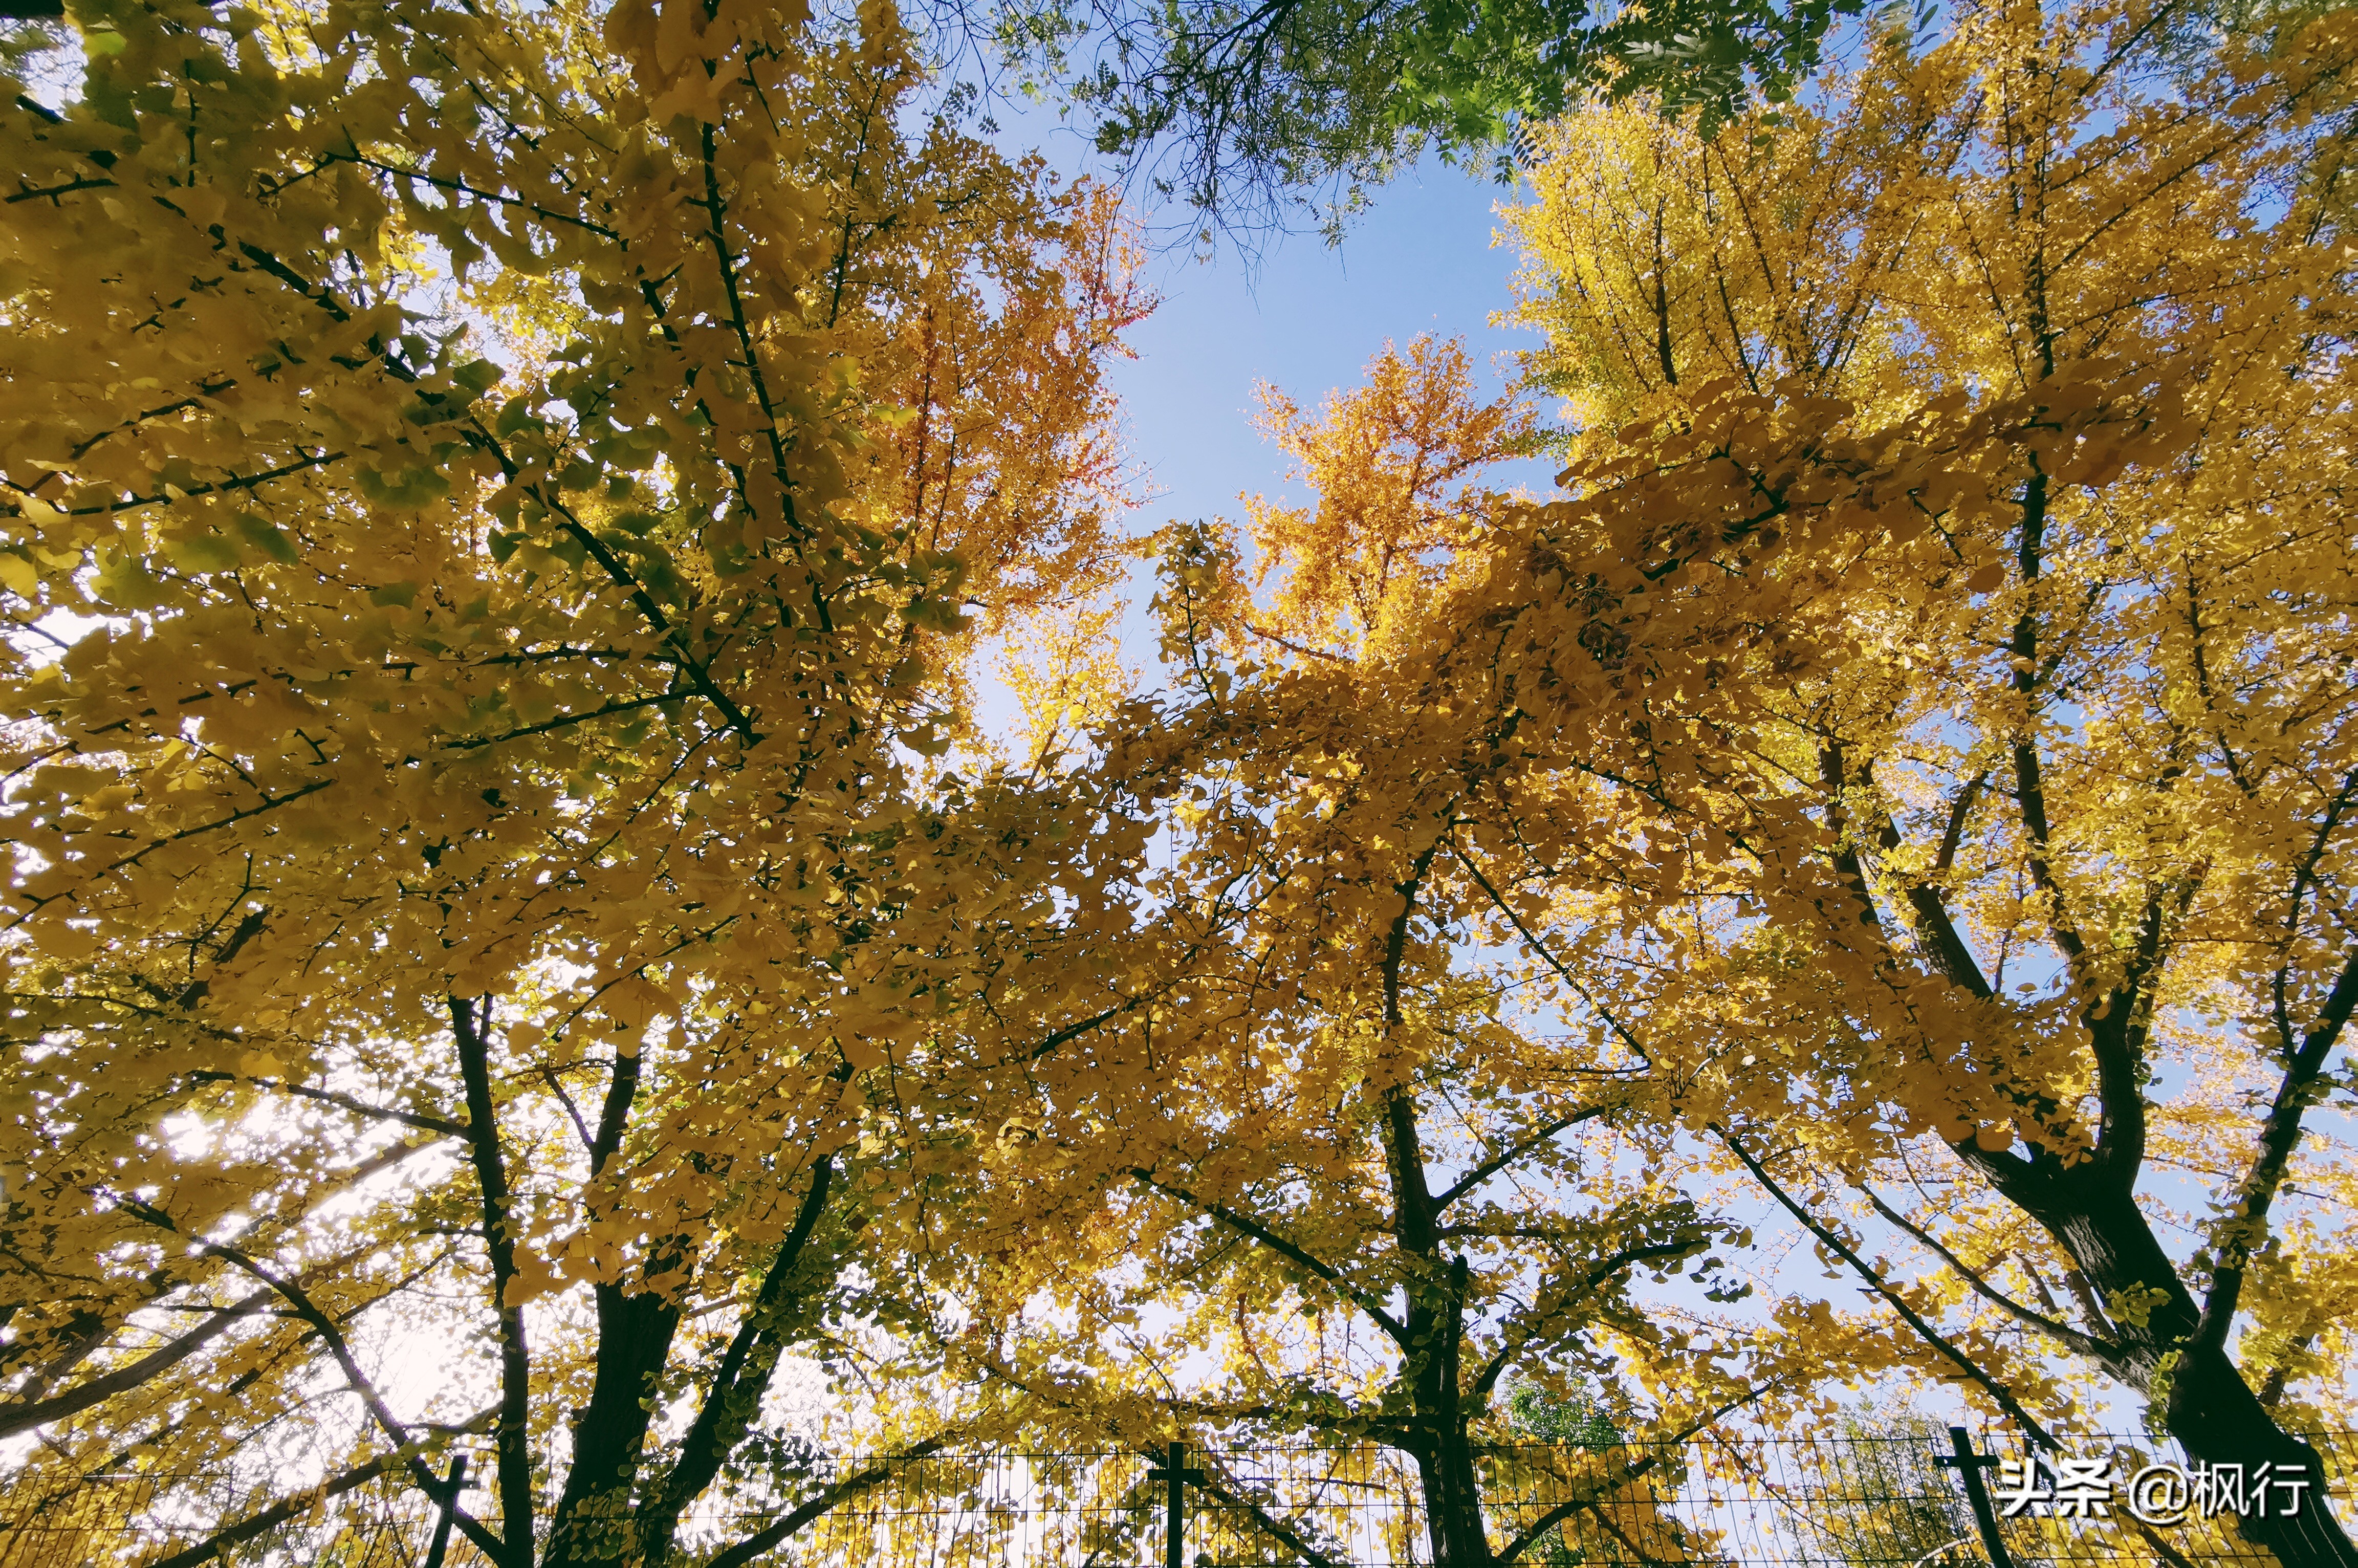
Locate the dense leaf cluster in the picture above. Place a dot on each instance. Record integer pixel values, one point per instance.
(517, 947)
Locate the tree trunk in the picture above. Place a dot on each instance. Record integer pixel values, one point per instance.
(2215, 1417)
(592, 1519)
(732, 1399)
(1452, 1503)
(1444, 1454)
(1436, 1338)
(2206, 1404)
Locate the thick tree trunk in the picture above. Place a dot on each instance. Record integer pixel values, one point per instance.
(1444, 1453)
(634, 1336)
(2215, 1417)
(635, 1329)
(1436, 1337)
(2206, 1404)
(1452, 1503)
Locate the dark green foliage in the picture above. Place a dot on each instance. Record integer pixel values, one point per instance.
(1250, 114)
(1579, 1419)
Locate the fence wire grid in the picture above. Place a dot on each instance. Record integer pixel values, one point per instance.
(1727, 1502)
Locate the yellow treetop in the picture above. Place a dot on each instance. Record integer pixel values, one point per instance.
(492, 499)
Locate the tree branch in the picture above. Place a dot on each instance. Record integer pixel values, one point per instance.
(437, 1125)
(733, 1396)
(470, 1023)
(28, 1414)
(1248, 1225)
(1933, 1336)
(338, 1348)
(1303, 648)
(1582, 991)
(762, 1541)
(1562, 1511)
(1933, 923)
(213, 1548)
(1512, 1344)
(2279, 1136)
(1500, 1160)
(2062, 1332)
(269, 803)
(1283, 1533)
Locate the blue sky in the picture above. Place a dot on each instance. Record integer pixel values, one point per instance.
(1307, 319)
(1305, 316)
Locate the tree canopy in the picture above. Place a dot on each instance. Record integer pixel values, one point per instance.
(1921, 737)
(488, 540)
(1247, 114)
(511, 509)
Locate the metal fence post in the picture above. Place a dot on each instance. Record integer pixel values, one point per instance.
(1175, 1473)
(441, 1545)
(1970, 1465)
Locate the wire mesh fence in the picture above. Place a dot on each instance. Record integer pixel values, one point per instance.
(1731, 1500)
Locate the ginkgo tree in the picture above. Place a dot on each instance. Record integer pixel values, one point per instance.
(497, 500)
(1340, 1200)
(492, 498)
(1922, 733)
(1376, 1168)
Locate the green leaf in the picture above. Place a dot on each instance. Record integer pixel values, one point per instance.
(205, 553)
(125, 582)
(266, 537)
